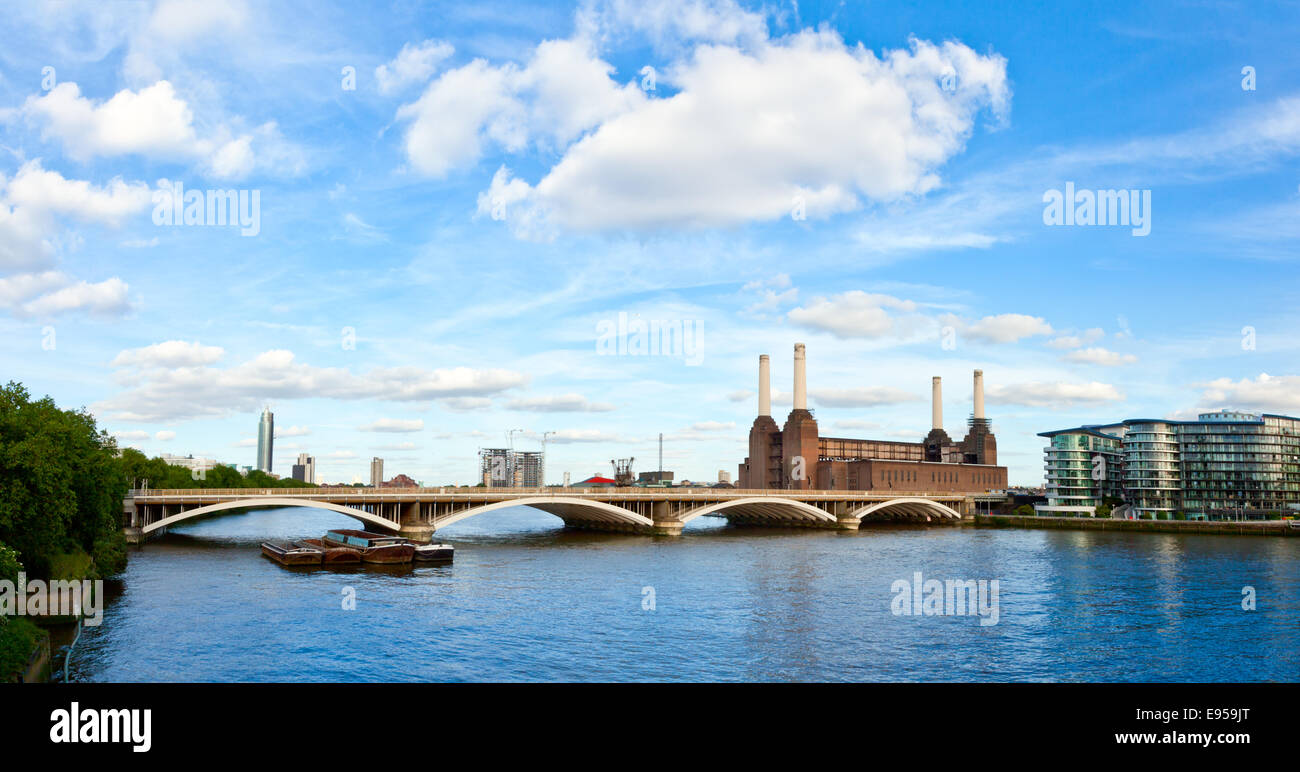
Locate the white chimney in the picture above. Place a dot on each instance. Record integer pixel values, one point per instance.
(800, 378)
(764, 385)
(936, 402)
(979, 393)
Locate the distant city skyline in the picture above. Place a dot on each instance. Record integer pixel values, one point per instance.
(578, 221)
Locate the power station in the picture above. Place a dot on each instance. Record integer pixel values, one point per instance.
(797, 457)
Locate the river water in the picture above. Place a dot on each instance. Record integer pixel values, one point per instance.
(527, 600)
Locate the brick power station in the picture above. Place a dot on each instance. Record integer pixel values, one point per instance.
(799, 457)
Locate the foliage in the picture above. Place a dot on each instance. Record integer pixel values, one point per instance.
(157, 473)
(1104, 510)
(1025, 510)
(17, 639)
(61, 484)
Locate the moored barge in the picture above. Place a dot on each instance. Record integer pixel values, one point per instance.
(287, 554)
(333, 556)
(374, 547)
(442, 553)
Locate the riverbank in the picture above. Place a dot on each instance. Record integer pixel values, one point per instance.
(1245, 528)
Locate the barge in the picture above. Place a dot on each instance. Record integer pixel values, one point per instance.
(333, 556)
(374, 547)
(287, 554)
(428, 553)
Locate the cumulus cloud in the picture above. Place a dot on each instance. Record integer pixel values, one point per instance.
(398, 425)
(560, 403)
(413, 64)
(155, 122)
(804, 122)
(1053, 395)
(166, 394)
(740, 396)
(170, 353)
(1100, 356)
(1002, 328)
(1265, 393)
(854, 314)
(564, 90)
(166, 435)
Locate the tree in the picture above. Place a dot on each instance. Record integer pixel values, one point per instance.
(1025, 510)
(61, 484)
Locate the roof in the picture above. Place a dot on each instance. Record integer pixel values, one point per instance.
(598, 480)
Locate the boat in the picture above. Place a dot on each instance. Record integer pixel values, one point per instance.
(287, 554)
(333, 555)
(434, 552)
(374, 547)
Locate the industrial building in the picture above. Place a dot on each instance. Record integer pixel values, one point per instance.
(797, 456)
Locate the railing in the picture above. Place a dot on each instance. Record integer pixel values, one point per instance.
(634, 491)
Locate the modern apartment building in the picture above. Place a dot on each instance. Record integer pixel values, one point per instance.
(376, 471)
(505, 468)
(1224, 465)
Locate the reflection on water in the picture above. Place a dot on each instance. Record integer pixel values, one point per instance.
(528, 600)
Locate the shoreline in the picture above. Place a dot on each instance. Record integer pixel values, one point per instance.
(1223, 527)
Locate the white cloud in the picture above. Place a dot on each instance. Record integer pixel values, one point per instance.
(1053, 395)
(394, 425)
(1100, 356)
(854, 314)
(713, 426)
(1003, 328)
(863, 396)
(560, 403)
(413, 64)
(155, 122)
(747, 133)
(292, 431)
(165, 435)
(1266, 393)
(191, 392)
(740, 396)
(171, 353)
(465, 404)
(564, 90)
(105, 298)
(132, 435)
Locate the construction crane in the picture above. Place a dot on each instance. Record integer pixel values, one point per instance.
(622, 471)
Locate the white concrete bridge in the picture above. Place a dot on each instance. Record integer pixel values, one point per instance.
(418, 512)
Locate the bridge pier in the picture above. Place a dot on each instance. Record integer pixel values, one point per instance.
(666, 522)
(411, 526)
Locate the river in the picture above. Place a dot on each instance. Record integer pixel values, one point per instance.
(527, 600)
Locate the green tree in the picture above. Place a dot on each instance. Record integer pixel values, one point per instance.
(61, 484)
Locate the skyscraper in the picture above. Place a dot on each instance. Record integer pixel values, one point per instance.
(376, 472)
(265, 439)
(305, 469)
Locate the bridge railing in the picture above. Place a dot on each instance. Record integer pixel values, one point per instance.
(632, 492)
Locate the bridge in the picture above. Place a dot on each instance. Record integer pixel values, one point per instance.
(417, 513)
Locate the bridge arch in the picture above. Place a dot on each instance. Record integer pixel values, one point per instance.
(563, 507)
(910, 507)
(764, 507)
(261, 502)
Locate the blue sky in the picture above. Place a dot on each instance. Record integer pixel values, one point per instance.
(454, 197)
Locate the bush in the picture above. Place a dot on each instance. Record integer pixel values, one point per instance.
(17, 639)
(1025, 510)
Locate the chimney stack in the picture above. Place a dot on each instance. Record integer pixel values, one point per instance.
(936, 403)
(979, 394)
(800, 378)
(764, 385)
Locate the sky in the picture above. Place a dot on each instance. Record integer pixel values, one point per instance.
(454, 219)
